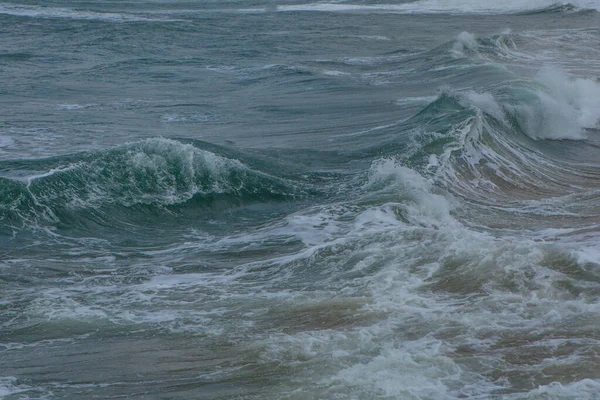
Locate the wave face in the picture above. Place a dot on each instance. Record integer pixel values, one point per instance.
(329, 200)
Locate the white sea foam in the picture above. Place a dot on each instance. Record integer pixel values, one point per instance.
(441, 287)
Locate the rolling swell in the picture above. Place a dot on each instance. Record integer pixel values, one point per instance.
(152, 175)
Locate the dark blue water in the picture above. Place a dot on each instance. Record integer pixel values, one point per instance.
(288, 200)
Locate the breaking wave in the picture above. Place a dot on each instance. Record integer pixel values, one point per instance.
(154, 172)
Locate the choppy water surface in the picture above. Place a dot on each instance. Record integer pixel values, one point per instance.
(295, 200)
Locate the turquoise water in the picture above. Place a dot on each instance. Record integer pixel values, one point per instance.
(288, 200)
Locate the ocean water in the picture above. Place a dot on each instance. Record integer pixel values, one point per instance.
(286, 199)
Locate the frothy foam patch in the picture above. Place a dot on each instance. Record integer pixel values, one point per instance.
(450, 298)
(410, 369)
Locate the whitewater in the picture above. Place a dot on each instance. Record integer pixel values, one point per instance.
(289, 199)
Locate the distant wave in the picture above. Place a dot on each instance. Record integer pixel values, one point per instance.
(450, 6)
(415, 7)
(68, 13)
